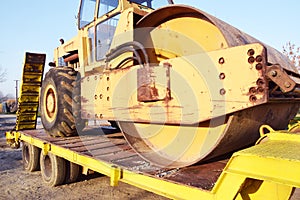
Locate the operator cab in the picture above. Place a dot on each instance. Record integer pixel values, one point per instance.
(88, 8)
(100, 18)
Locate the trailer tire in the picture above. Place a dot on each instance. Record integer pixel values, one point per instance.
(72, 172)
(30, 157)
(53, 169)
(60, 102)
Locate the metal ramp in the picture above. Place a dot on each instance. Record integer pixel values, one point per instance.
(29, 94)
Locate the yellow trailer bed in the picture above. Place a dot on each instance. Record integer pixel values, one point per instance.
(269, 170)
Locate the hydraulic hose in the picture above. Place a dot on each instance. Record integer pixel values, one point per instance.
(132, 46)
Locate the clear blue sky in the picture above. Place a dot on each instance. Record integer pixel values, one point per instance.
(37, 26)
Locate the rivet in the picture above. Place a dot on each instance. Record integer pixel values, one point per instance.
(221, 61)
(251, 60)
(273, 73)
(222, 92)
(253, 98)
(260, 82)
(259, 58)
(259, 66)
(253, 90)
(251, 52)
(222, 76)
(287, 84)
(222, 45)
(260, 89)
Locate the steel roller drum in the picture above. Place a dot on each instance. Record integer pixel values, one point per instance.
(179, 145)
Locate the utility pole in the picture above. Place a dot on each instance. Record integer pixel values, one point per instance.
(16, 91)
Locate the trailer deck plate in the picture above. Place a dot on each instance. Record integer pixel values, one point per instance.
(112, 148)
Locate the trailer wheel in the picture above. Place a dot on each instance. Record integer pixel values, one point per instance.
(72, 172)
(60, 102)
(30, 157)
(53, 169)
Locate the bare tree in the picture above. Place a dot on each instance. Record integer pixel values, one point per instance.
(2, 79)
(293, 53)
(2, 97)
(2, 75)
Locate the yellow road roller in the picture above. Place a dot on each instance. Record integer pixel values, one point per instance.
(181, 85)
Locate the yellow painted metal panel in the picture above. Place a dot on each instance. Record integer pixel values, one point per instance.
(276, 161)
(120, 102)
(164, 188)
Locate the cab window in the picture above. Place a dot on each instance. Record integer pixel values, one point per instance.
(87, 11)
(152, 3)
(106, 6)
(105, 32)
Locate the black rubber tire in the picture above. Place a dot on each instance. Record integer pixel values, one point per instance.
(80, 123)
(114, 124)
(53, 169)
(60, 102)
(30, 157)
(72, 172)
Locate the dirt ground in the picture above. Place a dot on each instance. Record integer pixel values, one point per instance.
(15, 183)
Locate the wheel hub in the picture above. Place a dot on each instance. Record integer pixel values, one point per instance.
(50, 103)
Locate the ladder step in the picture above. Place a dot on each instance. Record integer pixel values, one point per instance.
(34, 58)
(31, 87)
(30, 73)
(26, 126)
(29, 104)
(32, 84)
(28, 109)
(32, 80)
(29, 98)
(30, 94)
(32, 90)
(28, 122)
(33, 70)
(27, 113)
